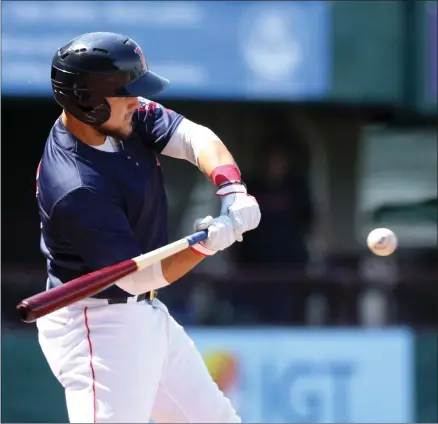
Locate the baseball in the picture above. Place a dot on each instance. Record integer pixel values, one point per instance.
(382, 241)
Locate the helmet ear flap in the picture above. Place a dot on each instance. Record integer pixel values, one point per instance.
(96, 113)
(94, 109)
(83, 98)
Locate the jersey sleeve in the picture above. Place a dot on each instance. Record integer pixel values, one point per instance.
(155, 124)
(97, 229)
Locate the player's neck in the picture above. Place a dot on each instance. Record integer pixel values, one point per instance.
(85, 133)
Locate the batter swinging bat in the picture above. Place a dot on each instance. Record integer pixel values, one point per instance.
(44, 303)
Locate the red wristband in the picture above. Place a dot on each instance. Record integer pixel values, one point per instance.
(224, 173)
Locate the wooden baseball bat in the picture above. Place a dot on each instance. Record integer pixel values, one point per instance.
(51, 300)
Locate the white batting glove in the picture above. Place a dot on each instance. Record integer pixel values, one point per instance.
(220, 235)
(243, 209)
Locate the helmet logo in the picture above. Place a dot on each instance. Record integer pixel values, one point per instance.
(141, 56)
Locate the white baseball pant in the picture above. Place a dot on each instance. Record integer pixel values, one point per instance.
(129, 362)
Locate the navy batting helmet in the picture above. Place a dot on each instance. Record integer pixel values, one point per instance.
(98, 65)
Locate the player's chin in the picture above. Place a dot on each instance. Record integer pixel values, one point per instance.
(122, 132)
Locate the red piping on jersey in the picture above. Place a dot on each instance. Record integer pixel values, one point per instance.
(36, 178)
(148, 107)
(93, 375)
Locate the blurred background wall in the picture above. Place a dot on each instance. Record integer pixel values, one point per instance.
(330, 109)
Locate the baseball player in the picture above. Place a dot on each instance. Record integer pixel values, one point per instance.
(119, 355)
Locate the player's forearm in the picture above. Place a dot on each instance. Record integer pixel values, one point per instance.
(160, 274)
(213, 155)
(202, 147)
(178, 265)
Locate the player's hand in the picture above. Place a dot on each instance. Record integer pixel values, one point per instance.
(243, 209)
(221, 234)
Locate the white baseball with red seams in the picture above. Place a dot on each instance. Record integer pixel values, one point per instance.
(382, 241)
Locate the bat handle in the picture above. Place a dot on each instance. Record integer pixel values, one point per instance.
(197, 237)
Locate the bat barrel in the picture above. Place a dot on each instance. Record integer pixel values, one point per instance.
(43, 303)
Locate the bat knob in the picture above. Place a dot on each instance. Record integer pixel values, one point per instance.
(25, 312)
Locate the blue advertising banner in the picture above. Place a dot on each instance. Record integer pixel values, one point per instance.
(218, 49)
(270, 374)
(318, 376)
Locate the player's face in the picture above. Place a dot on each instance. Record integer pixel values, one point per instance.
(120, 123)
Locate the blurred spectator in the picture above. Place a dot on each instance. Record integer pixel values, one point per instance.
(281, 186)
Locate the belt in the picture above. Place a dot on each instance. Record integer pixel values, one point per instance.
(149, 296)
